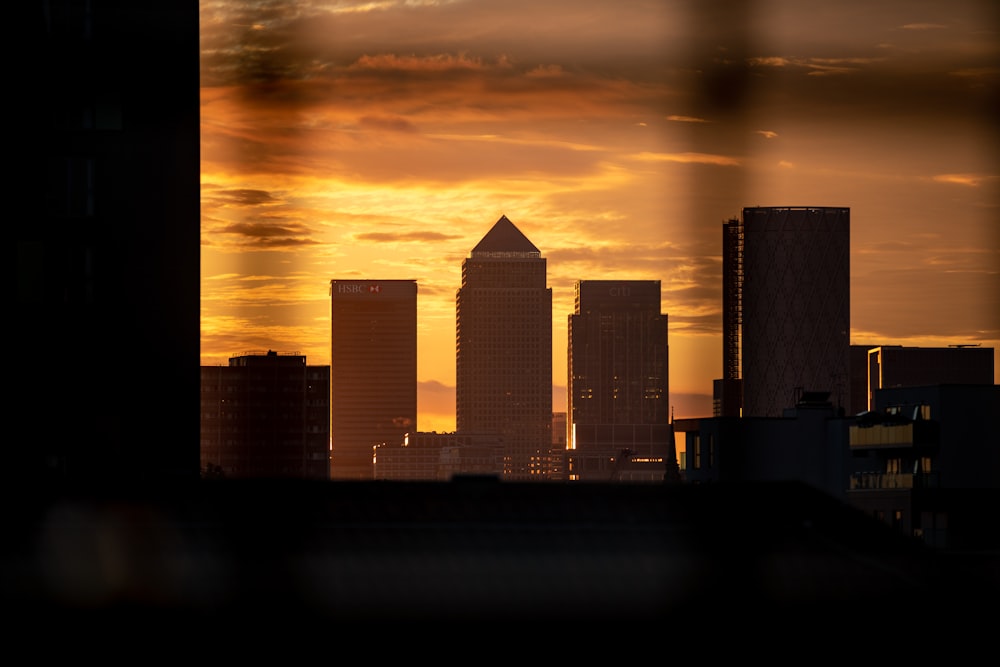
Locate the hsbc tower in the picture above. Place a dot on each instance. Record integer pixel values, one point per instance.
(373, 370)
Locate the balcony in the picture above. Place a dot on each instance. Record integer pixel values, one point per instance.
(888, 436)
(894, 480)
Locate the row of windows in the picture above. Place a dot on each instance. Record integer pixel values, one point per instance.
(233, 403)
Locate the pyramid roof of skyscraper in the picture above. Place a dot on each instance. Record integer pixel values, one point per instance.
(505, 237)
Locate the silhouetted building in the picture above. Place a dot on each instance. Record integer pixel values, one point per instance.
(925, 460)
(109, 264)
(618, 383)
(806, 444)
(874, 367)
(898, 366)
(504, 348)
(265, 415)
(373, 370)
(792, 281)
(440, 457)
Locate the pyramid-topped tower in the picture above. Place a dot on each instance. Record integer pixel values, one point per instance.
(504, 349)
(504, 237)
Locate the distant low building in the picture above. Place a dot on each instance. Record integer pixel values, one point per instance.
(440, 457)
(888, 366)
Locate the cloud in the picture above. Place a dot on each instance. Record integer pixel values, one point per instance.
(244, 197)
(771, 61)
(267, 234)
(406, 236)
(441, 62)
(977, 72)
(688, 158)
(829, 70)
(923, 26)
(545, 71)
(970, 180)
(815, 66)
(686, 119)
(767, 134)
(259, 230)
(883, 248)
(390, 123)
(893, 301)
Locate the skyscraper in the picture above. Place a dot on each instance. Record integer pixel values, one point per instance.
(618, 384)
(795, 290)
(265, 416)
(503, 348)
(373, 370)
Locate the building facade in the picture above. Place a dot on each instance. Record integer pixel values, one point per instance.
(618, 383)
(373, 370)
(503, 349)
(440, 457)
(265, 416)
(924, 460)
(806, 444)
(795, 306)
(900, 366)
(875, 367)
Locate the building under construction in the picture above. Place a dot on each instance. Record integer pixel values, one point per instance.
(786, 308)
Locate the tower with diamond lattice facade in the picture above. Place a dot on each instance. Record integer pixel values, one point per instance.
(795, 294)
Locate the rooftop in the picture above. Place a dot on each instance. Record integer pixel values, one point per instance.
(506, 239)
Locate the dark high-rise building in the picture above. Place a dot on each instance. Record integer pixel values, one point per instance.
(793, 282)
(109, 265)
(265, 415)
(373, 370)
(618, 384)
(504, 349)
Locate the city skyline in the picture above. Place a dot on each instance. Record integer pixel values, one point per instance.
(354, 140)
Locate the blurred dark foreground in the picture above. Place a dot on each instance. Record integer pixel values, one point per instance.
(215, 554)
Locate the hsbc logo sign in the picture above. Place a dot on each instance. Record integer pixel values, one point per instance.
(356, 288)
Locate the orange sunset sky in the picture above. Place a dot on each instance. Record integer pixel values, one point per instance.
(383, 139)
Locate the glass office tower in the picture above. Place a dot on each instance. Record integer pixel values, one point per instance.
(618, 383)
